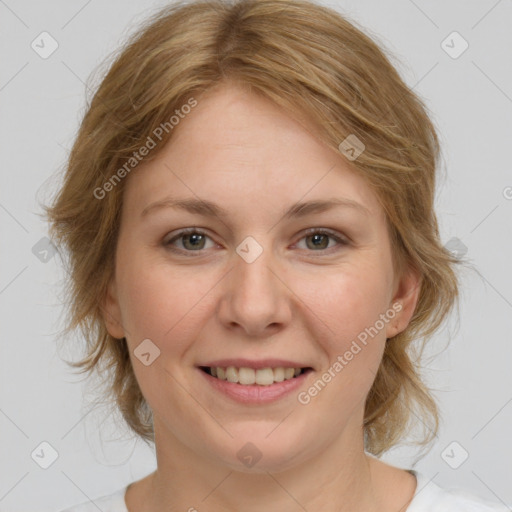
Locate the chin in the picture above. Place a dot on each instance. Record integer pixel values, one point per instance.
(255, 454)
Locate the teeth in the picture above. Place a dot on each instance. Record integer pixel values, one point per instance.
(231, 374)
(247, 376)
(278, 374)
(250, 376)
(264, 376)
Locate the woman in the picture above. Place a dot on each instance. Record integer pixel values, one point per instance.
(248, 210)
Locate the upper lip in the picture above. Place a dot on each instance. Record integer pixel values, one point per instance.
(261, 363)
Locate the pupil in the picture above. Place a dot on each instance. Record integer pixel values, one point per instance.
(195, 237)
(316, 239)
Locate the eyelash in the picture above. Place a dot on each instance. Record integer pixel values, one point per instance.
(312, 231)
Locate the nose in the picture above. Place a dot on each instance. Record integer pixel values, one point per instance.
(255, 297)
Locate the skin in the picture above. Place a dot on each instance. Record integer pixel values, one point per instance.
(295, 301)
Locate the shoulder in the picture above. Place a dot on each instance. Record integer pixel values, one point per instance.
(111, 503)
(430, 497)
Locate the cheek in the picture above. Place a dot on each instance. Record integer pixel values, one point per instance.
(345, 310)
(161, 302)
(363, 299)
(345, 303)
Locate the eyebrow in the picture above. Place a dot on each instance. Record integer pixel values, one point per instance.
(209, 209)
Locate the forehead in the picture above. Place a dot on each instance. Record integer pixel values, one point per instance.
(239, 149)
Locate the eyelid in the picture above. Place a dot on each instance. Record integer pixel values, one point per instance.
(326, 231)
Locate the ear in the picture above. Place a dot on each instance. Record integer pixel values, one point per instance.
(112, 311)
(406, 293)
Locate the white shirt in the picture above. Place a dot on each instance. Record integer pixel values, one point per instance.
(428, 497)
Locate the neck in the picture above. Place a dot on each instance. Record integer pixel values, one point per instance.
(341, 477)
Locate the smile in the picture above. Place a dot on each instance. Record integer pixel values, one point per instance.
(251, 376)
(255, 386)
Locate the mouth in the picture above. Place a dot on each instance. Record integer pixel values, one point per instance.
(246, 376)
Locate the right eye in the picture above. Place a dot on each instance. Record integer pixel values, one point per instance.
(191, 239)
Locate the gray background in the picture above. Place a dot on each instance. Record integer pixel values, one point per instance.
(42, 101)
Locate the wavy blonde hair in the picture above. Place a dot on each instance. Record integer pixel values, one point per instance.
(325, 71)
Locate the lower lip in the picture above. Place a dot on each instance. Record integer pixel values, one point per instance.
(256, 394)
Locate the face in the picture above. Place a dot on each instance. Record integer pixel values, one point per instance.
(254, 283)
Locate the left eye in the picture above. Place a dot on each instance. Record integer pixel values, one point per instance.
(320, 239)
(193, 240)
